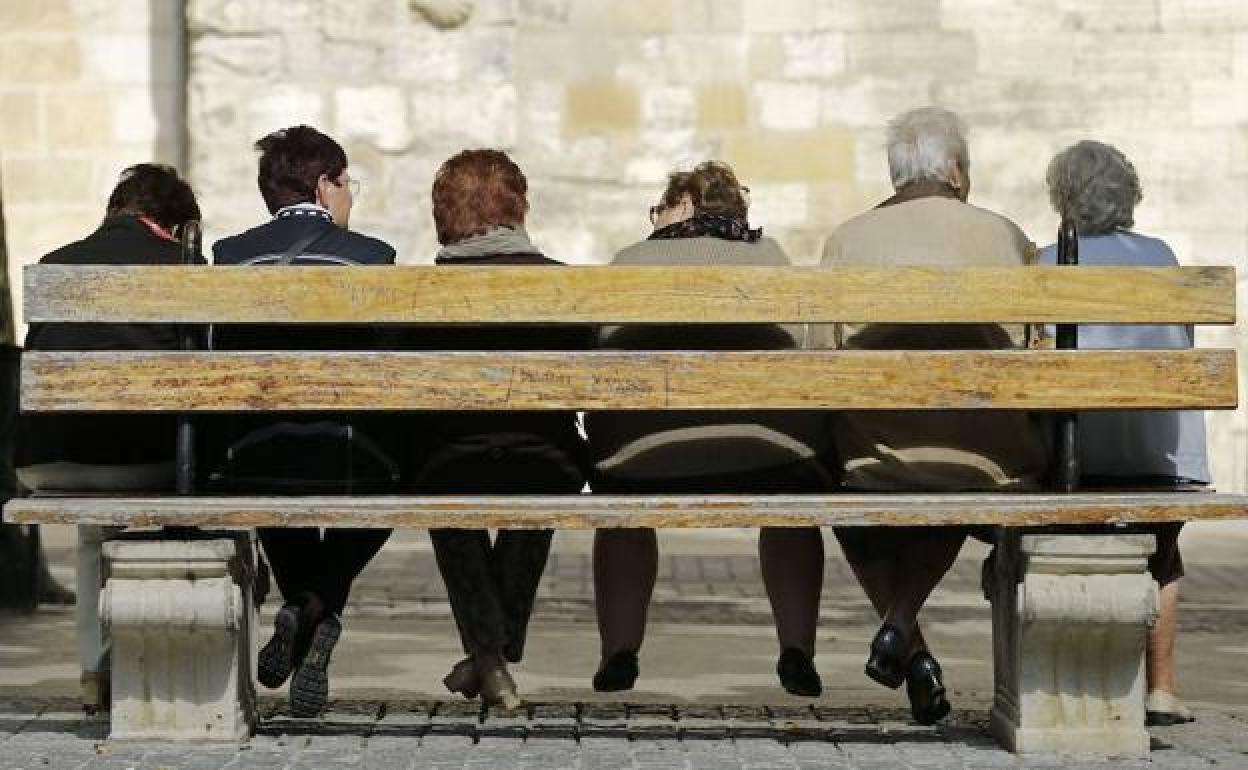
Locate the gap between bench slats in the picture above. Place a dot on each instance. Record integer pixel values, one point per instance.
(592, 511)
(895, 380)
(687, 294)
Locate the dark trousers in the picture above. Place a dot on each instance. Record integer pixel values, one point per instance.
(492, 586)
(305, 560)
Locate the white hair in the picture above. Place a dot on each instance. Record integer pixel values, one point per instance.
(926, 144)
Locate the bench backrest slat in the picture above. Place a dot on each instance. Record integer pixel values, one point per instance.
(628, 294)
(902, 380)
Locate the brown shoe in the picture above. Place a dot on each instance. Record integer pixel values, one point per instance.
(497, 686)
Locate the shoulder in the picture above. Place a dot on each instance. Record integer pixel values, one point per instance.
(261, 239)
(363, 248)
(702, 251)
(1004, 228)
(117, 243)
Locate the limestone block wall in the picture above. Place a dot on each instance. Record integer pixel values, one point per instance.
(598, 100)
(87, 87)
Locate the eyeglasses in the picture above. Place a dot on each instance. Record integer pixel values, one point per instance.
(351, 184)
(655, 211)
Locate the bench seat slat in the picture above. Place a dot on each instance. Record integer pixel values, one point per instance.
(686, 294)
(592, 511)
(596, 380)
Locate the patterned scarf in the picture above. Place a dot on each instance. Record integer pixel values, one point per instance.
(705, 224)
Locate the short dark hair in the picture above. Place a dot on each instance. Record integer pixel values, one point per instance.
(475, 191)
(291, 162)
(154, 191)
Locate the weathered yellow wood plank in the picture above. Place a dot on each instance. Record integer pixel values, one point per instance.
(630, 294)
(1014, 379)
(594, 511)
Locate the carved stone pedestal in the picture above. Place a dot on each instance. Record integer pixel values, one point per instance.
(1070, 619)
(180, 616)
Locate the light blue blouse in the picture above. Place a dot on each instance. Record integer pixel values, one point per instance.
(1143, 443)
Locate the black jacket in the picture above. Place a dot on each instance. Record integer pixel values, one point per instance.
(279, 234)
(87, 438)
(288, 457)
(435, 430)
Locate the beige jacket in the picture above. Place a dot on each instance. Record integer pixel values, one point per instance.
(936, 451)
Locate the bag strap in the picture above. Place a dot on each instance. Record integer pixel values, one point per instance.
(299, 247)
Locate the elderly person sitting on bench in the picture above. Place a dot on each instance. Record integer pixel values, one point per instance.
(85, 453)
(928, 222)
(1096, 187)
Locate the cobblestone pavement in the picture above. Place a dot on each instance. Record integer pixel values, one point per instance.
(48, 733)
(707, 697)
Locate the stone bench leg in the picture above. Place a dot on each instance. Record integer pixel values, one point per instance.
(1070, 620)
(179, 612)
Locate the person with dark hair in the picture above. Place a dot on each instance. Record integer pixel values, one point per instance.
(305, 182)
(480, 202)
(68, 453)
(702, 219)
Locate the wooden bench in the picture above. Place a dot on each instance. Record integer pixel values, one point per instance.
(1070, 611)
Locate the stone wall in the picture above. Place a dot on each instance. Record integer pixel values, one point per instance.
(87, 87)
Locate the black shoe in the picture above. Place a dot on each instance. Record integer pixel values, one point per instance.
(886, 664)
(277, 657)
(618, 672)
(309, 690)
(1166, 719)
(463, 679)
(797, 673)
(928, 703)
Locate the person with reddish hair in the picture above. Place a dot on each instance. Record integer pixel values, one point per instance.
(480, 203)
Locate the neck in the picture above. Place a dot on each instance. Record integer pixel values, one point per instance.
(923, 188)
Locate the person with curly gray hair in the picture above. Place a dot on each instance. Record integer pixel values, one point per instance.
(1096, 187)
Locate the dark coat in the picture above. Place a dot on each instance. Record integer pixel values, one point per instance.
(333, 246)
(94, 439)
(435, 430)
(280, 233)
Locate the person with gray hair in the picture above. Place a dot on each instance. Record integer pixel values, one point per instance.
(1096, 187)
(927, 222)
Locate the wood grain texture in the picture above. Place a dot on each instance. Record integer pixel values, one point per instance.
(594, 511)
(630, 294)
(1014, 379)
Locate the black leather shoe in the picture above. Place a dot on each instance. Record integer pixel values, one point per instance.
(463, 679)
(928, 703)
(309, 689)
(618, 672)
(277, 657)
(886, 663)
(797, 673)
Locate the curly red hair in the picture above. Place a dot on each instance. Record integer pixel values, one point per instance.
(475, 191)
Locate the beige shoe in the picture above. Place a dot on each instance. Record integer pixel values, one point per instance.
(1163, 709)
(96, 691)
(497, 686)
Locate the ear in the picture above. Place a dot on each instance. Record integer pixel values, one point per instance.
(322, 184)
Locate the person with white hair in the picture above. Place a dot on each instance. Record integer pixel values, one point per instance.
(1096, 187)
(927, 222)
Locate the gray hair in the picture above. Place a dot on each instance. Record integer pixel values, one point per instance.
(926, 144)
(1093, 184)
